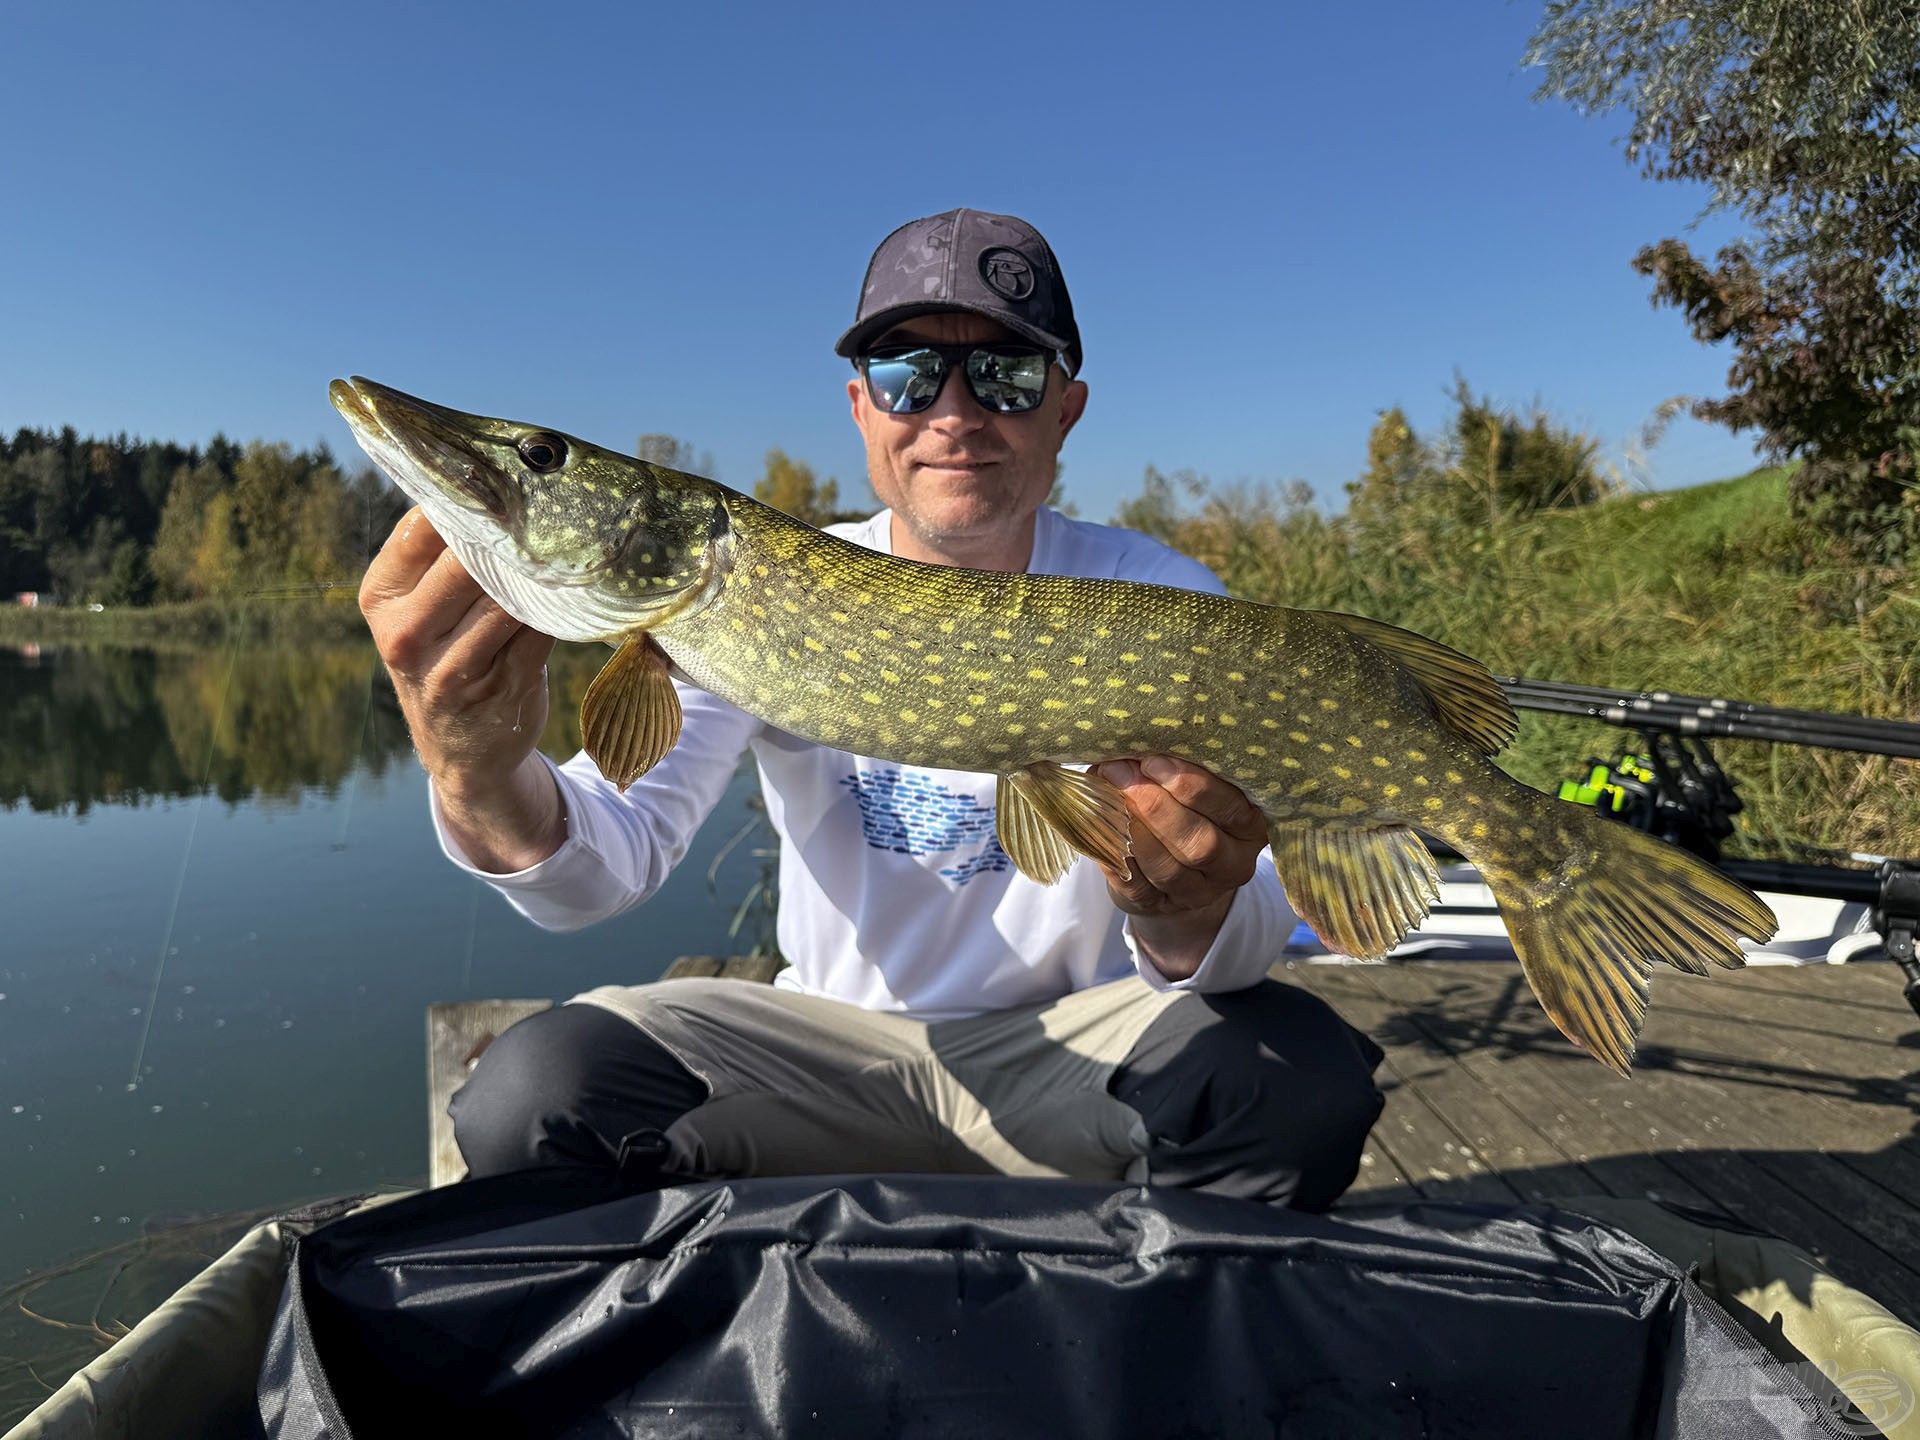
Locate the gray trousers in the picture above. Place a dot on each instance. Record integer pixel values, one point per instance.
(1264, 1093)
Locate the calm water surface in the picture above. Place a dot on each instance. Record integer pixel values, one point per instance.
(226, 916)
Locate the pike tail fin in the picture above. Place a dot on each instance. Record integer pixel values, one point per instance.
(1588, 927)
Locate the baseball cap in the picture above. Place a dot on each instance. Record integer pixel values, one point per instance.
(998, 266)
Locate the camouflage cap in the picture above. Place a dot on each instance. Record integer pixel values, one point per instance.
(998, 266)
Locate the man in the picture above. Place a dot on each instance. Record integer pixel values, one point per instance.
(941, 1011)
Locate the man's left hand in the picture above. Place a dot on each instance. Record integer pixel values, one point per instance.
(1196, 838)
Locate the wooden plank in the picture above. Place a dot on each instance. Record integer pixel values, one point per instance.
(1599, 1158)
(1702, 1093)
(457, 1033)
(756, 969)
(1415, 1129)
(1858, 985)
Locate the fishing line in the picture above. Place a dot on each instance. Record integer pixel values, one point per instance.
(473, 930)
(359, 760)
(186, 856)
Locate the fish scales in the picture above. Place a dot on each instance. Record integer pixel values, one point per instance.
(1346, 733)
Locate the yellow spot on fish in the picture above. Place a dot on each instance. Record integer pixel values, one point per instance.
(934, 679)
(1120, 714)
(1083, 724)
(1153, 634)
(1526, 832)
(1146, 689)
(759, 612)
(1416, 754)
(761, 571)
(844, 678)
(910, 716)
(1002, 634)
(946, 627)
(1419, 779)
(790, 607)
(853, 655)
(1228, 720)
(1383, 724)
(1114, 682)
(983, 676)
(1130, 658)
(1479, 829)
(1306, 671)
(1036, 673)
(1327, 703)
(1166, 722)
(1256, 750)
(1454, 777)
(869, 697)
(1325, 747)
(976, 699)
(883, 634)
(1101, 632)
(1276, 695)
(1180, 679)
(1299, 737)
(840, 617)
(1354, 740)
(1389, 791)
(1076, 660)
(1289, 762)
(1433, 802)
(1052, 704)
(1043, 639)
(1235, 676)
(1016, 727)
(1381, 761)
(1203, 649)
(963, 719)
(890, 677)
(812, 644)
(1007, 707)
(1343, 772)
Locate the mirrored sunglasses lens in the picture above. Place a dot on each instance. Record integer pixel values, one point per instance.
(904, 383)
(1009, 381)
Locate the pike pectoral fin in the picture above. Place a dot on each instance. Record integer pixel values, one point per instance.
(1046, 814)
(630, 717)
(1360, 890)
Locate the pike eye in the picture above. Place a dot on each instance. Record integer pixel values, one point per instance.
(543, 453)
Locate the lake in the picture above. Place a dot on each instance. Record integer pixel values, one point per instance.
(226, 916)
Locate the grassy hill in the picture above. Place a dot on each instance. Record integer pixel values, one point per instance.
(1710, 590)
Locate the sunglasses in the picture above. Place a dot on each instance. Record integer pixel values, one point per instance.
(1006, 379)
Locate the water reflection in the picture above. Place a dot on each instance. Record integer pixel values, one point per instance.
(89, 726)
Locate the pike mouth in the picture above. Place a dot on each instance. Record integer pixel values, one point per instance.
(429, 443)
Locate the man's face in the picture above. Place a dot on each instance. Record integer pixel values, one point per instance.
(957, 473)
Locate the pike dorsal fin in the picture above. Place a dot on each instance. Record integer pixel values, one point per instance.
(1469, 700)
(630, 717)
(1046, 814)
(1360, 890)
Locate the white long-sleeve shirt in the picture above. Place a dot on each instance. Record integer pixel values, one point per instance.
(894, 891)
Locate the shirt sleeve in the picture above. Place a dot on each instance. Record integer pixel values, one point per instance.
(1258, 926)
(1260, 921)
(620, 848)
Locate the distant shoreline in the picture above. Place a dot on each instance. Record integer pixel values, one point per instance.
(333, 618)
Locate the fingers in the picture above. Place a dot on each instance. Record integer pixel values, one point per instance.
(1214, 830)
(411, 547)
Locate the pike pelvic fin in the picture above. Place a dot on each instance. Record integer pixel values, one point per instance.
(630, 717)
(1469, 700)
(1360, 890)
(1588, 932)
(1047, 815)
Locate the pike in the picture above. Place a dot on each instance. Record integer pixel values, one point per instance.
(1346, 732)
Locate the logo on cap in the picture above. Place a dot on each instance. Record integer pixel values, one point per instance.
(1007, 273)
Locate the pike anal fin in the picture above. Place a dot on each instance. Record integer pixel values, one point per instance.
(630, 717)
(1360, 890)
(1047, 815)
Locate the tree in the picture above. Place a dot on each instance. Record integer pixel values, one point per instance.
(789, 485)
(1804, 117)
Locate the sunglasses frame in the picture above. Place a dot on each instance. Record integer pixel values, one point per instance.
(953, 359)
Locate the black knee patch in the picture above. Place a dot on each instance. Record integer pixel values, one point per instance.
(1264, 1093)
(568, 1086)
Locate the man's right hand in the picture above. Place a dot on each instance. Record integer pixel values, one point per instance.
(472, 682)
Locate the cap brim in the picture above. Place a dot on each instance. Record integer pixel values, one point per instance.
(874, 326)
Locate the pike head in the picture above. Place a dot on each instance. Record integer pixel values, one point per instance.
(578, 542)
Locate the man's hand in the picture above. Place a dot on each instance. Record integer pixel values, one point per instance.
(472, 682)
(1195, 840)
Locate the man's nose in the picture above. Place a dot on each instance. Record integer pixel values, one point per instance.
(954, 410)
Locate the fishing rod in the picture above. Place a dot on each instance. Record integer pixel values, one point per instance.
(1674, 788)
(1737, 720)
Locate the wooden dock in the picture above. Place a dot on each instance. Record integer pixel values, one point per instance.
(1784, 1095)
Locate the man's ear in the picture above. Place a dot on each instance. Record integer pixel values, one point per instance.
(1073, 404)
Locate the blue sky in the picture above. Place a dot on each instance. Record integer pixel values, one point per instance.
(1276, 220)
